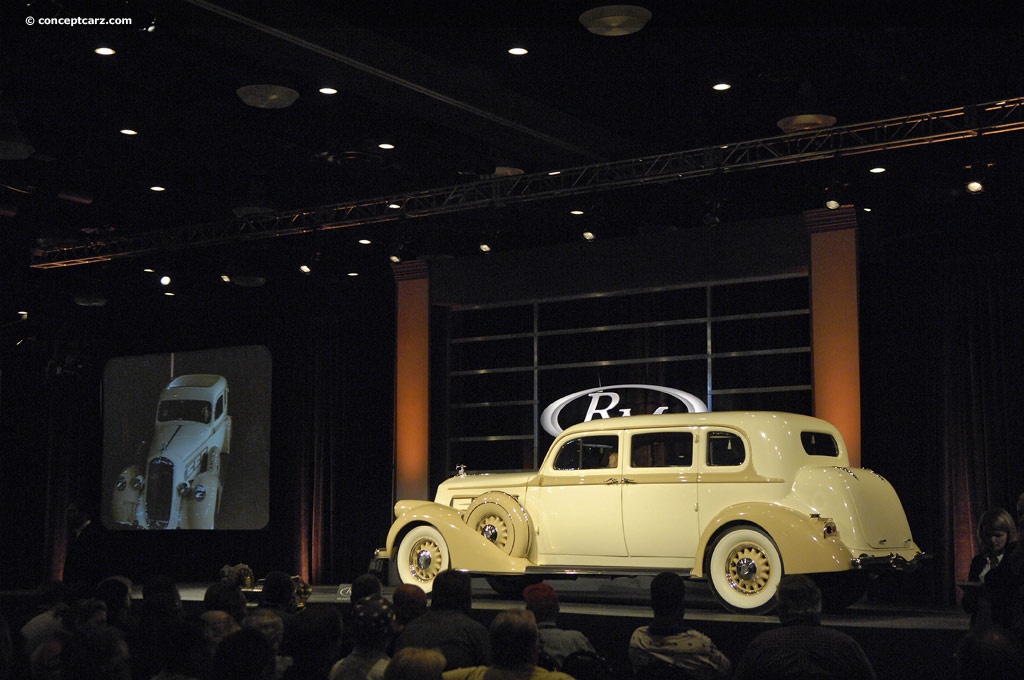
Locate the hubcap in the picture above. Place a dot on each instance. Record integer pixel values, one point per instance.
(746, 569)
(423, 560)
(490, 532)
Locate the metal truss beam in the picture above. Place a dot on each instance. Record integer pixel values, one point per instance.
(894, 133)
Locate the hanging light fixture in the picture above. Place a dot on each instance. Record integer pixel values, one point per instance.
(267, 96)
(805, 113)
(615, 20)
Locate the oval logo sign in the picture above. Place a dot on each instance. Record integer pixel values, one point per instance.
(607, 402)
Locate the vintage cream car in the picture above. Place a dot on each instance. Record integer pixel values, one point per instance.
(735, 498)
(179, 486)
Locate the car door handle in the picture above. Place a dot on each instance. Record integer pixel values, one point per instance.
(627, 480)
(613, 480)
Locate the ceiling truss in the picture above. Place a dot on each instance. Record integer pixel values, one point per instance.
(894, 133)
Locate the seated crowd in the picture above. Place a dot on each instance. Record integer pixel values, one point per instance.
(111, 637)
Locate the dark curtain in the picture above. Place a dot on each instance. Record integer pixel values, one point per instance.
(982, 361)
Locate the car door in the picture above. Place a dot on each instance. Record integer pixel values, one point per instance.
(659, 495)
(575, 502)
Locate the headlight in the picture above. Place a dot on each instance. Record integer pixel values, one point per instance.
(138, 482)
(183, 489)
(200, 492)
(121, 484)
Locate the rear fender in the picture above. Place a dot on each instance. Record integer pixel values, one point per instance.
(802, 539)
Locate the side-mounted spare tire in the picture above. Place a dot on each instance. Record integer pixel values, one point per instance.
(499, 518)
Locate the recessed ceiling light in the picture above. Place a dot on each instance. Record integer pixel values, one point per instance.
(588, 236)
(518, 51)
(394, 206)
(104, 51)
(304, 268)
(555, 172)
(877, 170)
(575, 212)
(387, 146)
(165, 280)
(157, 188)
(365, 241)
(226, 278)
(353, 273)
(721, 87)
(128, 132)
(328, 90)
(148, 270)
(168, 293)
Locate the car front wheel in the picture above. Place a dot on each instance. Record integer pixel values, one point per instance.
(422, 555)
(744, 570)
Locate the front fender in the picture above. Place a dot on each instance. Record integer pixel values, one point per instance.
(469, 551)
(802, 539)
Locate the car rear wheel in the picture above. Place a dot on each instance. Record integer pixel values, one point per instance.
(744, 570)
(499, 518)
(422, 555)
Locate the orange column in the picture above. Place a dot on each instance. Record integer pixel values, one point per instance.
(412, 384)
(835, 324)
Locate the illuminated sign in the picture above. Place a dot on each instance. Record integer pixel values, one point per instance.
(607, 402)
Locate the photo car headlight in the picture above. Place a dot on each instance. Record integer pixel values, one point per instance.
(200, 492)
(183, 489)
(121, 484)
(138, 482)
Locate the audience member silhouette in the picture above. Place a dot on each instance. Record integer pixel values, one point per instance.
(515, 645)
(365, 585)
(160, 610)
(189, 655)
(447, 625)
(244, 655)
(95, 653)
(801, 647)
(667, 641)
(217, 626)
(116, 593)
(989, 653)
(268, 623)
(79, 617)
(226, 596)
(408, 601)
(556, 643)
(414, 663)
(372, 627)
(51, 601)
(315, 642)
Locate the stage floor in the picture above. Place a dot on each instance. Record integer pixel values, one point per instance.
(628, 597)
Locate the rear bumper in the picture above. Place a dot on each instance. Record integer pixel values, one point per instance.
(890, 562)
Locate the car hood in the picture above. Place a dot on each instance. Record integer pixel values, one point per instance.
(512, 483)
(178, 440)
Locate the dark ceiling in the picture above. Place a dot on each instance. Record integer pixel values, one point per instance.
(435, 79)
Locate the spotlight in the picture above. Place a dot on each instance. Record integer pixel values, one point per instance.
(485, 247)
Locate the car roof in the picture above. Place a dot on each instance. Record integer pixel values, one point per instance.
(196, 380)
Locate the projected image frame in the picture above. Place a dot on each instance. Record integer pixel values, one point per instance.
(186, 440)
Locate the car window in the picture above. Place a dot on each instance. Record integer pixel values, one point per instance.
(220, 407)
(588, 453)
(819, 444)
(725, 449)
(661, 449)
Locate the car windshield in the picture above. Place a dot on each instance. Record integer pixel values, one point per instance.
(184, 409)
